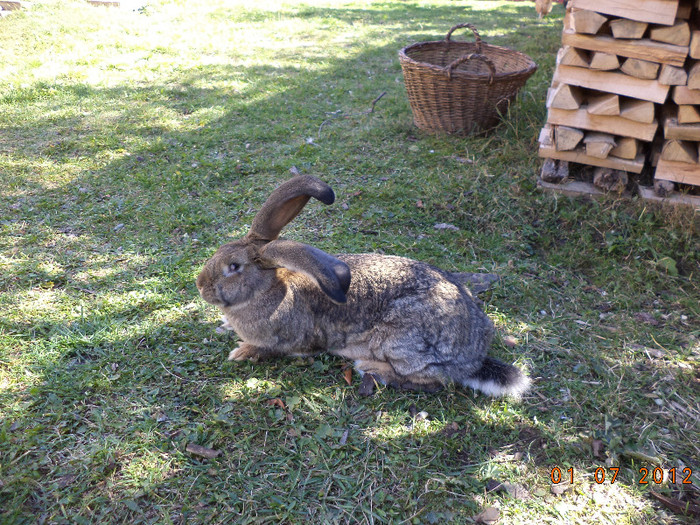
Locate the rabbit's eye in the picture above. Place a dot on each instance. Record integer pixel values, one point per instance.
(231, 269)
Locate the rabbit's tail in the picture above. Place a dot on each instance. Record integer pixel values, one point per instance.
(496, 379)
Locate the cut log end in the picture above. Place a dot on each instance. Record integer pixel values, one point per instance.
(628, 29)
(640, 68)
(663, 188)
(587, 22)
(678, 34)
(609, 180)
(567, 138)
(555, 171)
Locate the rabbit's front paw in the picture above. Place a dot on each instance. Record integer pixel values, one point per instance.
(244, 351)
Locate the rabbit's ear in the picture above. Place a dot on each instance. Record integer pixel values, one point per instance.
(332, 275)
(285, 203)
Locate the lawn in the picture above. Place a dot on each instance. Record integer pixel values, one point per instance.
(134, 142)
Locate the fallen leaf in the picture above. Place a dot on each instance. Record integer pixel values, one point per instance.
(597, 446)
(668, 265)
(445, 226)
(559, 488)
(510, 341)
(66, 480)
(451, 429)
(656, 352)
(516, 491)
(647, 318)
(488, 515)
(204, 452)
(276, 402)
(420, 416)
(462, 159)
(347, 375)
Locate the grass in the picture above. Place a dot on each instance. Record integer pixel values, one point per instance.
(134, 142)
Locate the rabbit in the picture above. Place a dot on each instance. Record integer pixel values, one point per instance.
(409, 324)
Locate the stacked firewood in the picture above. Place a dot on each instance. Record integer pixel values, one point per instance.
(625, 95)
(7, 6)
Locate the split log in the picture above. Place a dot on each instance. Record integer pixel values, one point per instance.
(643, 49)
(673, 76)
(604, 61)
(567, 138)
(688, 114)
(684, 95)
(694, 76)
(612, 82)
(579, 156)
(570, 56)
(630, 29)
(678, 172)
(674, 130)
(694, 49)
(585, 21)
(565, 96)
(677, 34)
(546, 136)
(680, 151)
(599, 145)
(581, 119)
(10, 5)
(604, 104)
(627, 148)
(654, 11)
(637, 110)
(640, 68)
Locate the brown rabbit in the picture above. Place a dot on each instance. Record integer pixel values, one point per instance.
(407, 323)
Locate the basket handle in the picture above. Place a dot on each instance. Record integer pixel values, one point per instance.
(449, 69)
(477, 38)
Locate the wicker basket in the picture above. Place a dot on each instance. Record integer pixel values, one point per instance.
(462, 87)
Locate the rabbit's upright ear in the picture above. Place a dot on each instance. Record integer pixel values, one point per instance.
(285, 203)
(331, 274)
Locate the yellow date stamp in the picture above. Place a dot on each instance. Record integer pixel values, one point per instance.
(656, 475)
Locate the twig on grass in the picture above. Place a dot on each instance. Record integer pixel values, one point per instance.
(374, 102)
(174, 374)
(338, 114)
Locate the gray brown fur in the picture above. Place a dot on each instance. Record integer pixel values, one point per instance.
(408, 323)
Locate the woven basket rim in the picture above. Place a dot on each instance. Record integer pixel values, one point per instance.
(404, 58)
